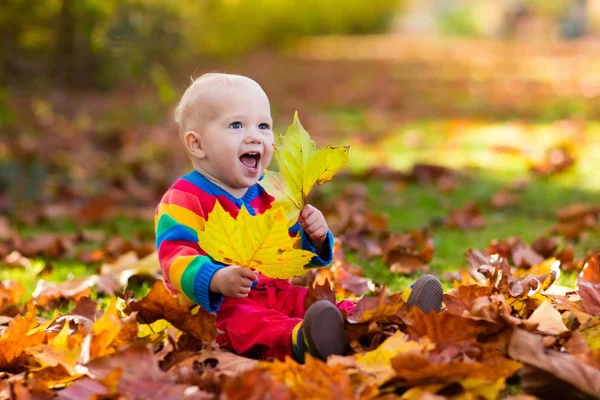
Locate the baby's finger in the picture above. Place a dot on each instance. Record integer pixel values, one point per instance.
(245, 282)
(306, 212)
(313, 228)
(244, 290)
(311, 219)
(247, 273)
(240, 295)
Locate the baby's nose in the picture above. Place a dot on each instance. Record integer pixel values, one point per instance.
(253, 138)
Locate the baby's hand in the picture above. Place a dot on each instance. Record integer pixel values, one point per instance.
(233, 281)
(313, 223)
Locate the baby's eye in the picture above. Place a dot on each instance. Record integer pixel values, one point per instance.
(263, 126)
(236, 125)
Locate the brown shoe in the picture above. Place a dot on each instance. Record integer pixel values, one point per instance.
(427, 293)
(322, 332)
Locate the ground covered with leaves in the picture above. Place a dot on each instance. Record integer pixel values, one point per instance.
(505, 213)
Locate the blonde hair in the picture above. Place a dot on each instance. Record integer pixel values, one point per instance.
(195, 104)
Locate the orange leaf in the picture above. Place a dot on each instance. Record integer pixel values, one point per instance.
(377, 308)
(15, 341)
(160, 304)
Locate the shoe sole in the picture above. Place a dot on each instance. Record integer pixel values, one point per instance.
(324, 329)
(427, 294)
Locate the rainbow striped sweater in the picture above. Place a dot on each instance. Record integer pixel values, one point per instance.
(181, 213)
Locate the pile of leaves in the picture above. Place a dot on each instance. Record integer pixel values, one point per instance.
(501, 323)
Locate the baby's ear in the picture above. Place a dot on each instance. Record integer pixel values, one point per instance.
(193, 143)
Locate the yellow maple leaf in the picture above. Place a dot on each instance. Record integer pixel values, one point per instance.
(60, 351)
(261, 242)
(301, 167)
(379, 361)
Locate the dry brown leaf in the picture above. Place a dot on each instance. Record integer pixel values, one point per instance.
(549, 320)
(556, 160)
(319, 291)
(16, 259)
(444, 328)
(415, 369)
(466, 218)
(11, 293)
(461, 299)
(115, 372)
(528, 348)
(314, 379)
(546, 246)
(524, 256)
(378, 307)
(129, 264)
(220, 362)
(505, 199)
(85, 313)
(255, 385)
(104, 333)
(160, 304)
(58, 359)
(408, 253)
(46, 293)
(15, 341)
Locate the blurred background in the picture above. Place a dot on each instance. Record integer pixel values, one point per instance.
(502, 95)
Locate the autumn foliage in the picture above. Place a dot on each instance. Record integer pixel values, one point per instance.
(504, 321)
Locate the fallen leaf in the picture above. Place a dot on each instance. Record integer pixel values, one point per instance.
(546, 246)
(556, 160)
(468, 217)
(218, 361)
(15, 341)
(160, 304)
(377, 307)
(16, 259)
(260, 242)
(148, 382)
(319, 291)
(61, 350)
(461, 299)
(408, 253)
(128, 265)
(85, 313)
(549, 320)
(415, 368)
(11, 293)
(444, 328)
(591, 270)
(524, 256)
(255, 384)
(590, 295)
(505, 199)
(47, 292)
(313, 379)
(378, 361)
(528, 348)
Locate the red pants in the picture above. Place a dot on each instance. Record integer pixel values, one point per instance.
(260, 325)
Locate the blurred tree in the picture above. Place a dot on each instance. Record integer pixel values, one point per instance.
(100, 42)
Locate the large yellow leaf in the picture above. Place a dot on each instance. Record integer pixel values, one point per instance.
(379, 361)
(60, 351)
(261, 242)
(301, 166)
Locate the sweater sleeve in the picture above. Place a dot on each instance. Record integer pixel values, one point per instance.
(185, 266)
(322, 259)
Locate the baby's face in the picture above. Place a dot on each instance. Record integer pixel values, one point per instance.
(238, 138)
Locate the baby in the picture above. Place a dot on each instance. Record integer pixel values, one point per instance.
(226, 126)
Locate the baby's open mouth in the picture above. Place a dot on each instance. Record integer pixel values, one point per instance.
(250, 159)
